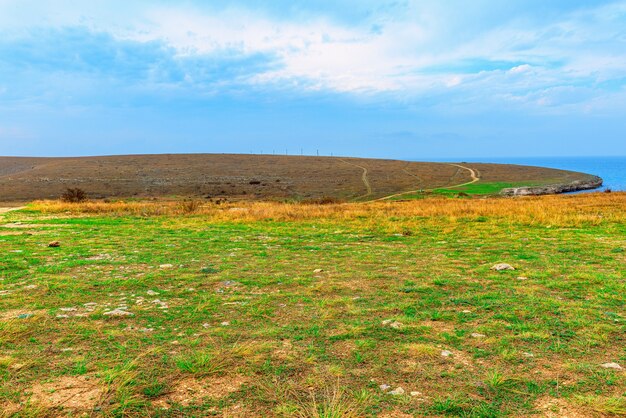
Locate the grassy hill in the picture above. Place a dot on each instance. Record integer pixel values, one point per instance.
(258, 177)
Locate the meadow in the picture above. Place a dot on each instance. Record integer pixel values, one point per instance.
(389, 309)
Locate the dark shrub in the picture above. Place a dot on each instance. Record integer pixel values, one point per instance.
(75, 195)
(326, 200)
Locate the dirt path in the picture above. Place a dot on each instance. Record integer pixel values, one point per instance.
(366, 181)
(473, 174)
(5, 210)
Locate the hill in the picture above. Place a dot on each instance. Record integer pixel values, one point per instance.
(263, 177)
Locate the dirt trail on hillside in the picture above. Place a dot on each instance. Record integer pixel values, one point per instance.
(366, 181)
(473, 175)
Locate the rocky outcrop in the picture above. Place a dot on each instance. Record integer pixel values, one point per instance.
(593, 183)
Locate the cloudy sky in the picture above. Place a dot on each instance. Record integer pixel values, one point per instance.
(400, 78)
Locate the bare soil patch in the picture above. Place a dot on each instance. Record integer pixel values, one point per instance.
(69, 392)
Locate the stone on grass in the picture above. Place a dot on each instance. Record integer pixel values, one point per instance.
(54, 244)
(152, 292)
(166, 266)
(384, 387)
(446, 353)
(318, 270)
(502, 266)
(392, 324)
(522, 278)
(397, 391)
(118, 313)
(612, 366)
(225, 323)
(416, 393)
(477, 335)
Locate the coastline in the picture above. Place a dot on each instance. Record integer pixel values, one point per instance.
(578, 185)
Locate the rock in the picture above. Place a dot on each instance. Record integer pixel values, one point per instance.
(416, 393)
(522, 278)
(392, 324)
(118, 313)
(24, 316)
(54, 244)
(384, 387)
(225, 323)
(528, 354)
(614, 366)
(152, 292)
(477, 335)
(502, 266)
(31, 286)
(466, 311)
(397, 391)
(318, 271)
(166, 266)
(446, 353)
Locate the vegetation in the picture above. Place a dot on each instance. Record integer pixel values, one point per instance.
(270, 309)
(75, 195)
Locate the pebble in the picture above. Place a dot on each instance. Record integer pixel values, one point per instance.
(416, 393)
(397, 391)
(392, 324)
(152, 292)
(118, 313)
(522, 278)
(384, 387)
(614, 366)
(54, 244)
(477, 335)
(166, 266)
(318, 270)
(446, 353)
(528, 354)
(31, 286)
(225, 323)
(502, 266)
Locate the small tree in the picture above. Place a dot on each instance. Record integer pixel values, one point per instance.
(75, 195)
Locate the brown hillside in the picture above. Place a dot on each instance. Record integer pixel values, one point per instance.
(248, 176)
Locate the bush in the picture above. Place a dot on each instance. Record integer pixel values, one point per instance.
(326, 200)
(189, 206)
(75, 195)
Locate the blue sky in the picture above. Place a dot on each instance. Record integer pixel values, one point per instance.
(400, 78)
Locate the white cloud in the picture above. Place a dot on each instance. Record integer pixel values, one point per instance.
(323, 54)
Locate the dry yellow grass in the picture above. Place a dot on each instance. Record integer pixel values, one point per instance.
(563, 210)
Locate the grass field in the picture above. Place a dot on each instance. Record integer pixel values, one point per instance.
(270, 309)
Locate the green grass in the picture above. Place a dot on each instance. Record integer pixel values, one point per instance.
(242, 309)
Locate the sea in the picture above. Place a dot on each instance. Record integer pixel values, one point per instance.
(611, 169)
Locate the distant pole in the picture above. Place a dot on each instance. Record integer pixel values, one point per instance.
(318, 153)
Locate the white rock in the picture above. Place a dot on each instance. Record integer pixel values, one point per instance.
(522, 278)
(166, 266)
(612, 366)
(397, 391)
(318, 270)
(446, 353)
(477, 335)
(152, 292)
(225, 324)
(118, 312)
(384, 387)
(416, 393)
(528, 354)
(502, 266)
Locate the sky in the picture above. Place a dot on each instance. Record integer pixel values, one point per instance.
(410, 79)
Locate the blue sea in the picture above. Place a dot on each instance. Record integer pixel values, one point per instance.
(611, 169)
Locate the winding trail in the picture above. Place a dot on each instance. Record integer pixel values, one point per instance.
(5, 210)
(473, 174)
(366, 181)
